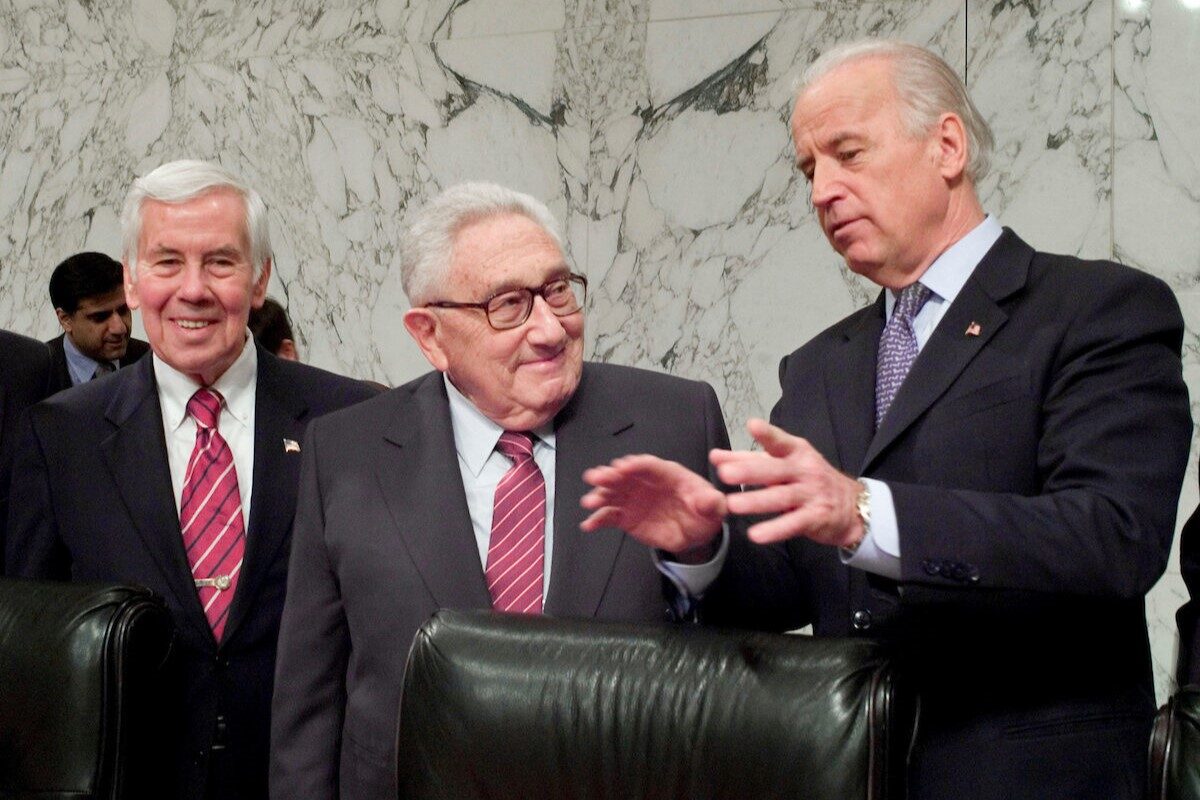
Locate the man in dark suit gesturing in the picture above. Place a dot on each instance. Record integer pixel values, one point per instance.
(180, 472)
(991, 454)
(461, 489)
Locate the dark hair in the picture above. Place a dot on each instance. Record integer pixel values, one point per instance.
(270, 325)
(83, 275)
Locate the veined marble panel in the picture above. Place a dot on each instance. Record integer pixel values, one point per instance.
(1156, 210)
(710, 263)
(1040, 73)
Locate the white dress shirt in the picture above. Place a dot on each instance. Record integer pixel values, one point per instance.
(238, 386)
(482, 466)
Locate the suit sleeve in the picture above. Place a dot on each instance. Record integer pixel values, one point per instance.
(34, 548)
(1188, 616)
(310, 675)
(1114, 434)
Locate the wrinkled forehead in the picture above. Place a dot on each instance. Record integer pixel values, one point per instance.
(855, 90)
(505, 251)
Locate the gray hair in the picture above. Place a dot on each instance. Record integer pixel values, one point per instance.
(181, 181)
(427, 246)
(927, 87)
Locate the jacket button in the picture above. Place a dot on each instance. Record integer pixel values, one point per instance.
(861, 619)
(931, 567)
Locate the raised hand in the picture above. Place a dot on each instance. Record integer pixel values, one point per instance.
(790, 479)
(659, 503)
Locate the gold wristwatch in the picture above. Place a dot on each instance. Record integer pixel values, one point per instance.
(862, 506)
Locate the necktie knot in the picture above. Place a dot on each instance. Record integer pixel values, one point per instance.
(910, 302)
(205, 408)
(103, 368)
(516, 445)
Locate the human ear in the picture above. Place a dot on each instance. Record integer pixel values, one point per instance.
(424, 327)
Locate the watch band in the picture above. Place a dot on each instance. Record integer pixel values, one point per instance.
(862, 506)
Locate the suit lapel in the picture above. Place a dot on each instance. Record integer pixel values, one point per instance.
(279, 414)
(136, 454)
(968, 325)
(588, 431)
(419, 477)
(850, 386)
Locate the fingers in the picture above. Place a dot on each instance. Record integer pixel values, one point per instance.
(770, 500)
(758, 469)
(627, 468)
(802, 521)
(605, 517)
(775, 441)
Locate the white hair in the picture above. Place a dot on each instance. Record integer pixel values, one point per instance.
(427, 246)
(927, 87)
(184, 180)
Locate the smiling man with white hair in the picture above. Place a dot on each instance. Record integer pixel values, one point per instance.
(180, 473)
(461, 488)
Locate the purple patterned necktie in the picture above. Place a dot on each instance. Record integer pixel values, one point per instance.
(897, 348)
(516, 550)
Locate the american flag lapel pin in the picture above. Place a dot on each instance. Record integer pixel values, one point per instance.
(974, 329)
(291, 446)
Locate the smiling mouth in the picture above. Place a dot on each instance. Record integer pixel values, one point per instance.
(546, 360)
(192, 324)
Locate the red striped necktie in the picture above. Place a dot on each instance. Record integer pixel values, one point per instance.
(516, 550)
(210, 513)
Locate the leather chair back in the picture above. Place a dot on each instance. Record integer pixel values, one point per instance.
(78, 665)
(1175, 748)
(511, 706)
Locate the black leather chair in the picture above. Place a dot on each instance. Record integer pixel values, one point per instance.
(1175, 748)
(500, 706)
(78, 670)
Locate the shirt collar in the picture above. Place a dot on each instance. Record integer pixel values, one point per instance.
(949, 272)
(83, 367)
(236, 385)
(475, 435)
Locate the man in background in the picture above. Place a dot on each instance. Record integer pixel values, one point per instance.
(981, 467)
(461, 489)
(88, 296)
(270, 327)
(180, 472)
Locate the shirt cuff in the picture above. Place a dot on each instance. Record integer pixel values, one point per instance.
(691, 581)
(879, 551)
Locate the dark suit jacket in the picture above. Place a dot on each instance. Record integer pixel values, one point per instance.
(60, 375)
(24, 376)
(1035, 469)
(97, 505)
(1188, 616)
(384, 539)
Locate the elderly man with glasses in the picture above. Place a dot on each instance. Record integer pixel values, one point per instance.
(462, 488)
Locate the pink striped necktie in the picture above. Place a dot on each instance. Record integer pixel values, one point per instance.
(516, 551)
(210, 513)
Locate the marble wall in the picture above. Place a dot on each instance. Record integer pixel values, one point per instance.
(656, 130)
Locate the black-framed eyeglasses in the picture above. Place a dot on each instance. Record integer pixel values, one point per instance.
(510, 308)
